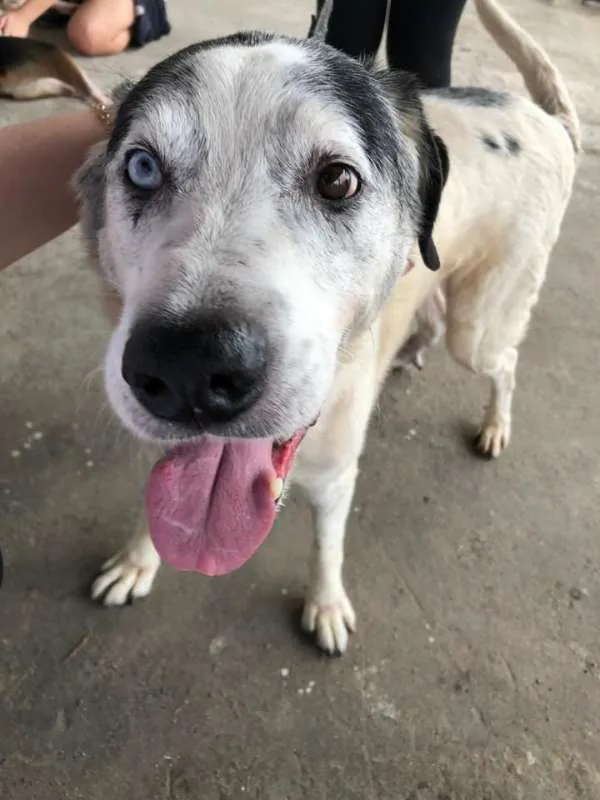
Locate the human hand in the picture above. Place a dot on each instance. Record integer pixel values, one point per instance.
(14, 23)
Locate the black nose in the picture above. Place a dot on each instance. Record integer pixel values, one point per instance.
(206, 372)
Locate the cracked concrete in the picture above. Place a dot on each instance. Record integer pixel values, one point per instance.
(475, 672)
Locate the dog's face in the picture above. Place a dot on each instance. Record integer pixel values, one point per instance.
(254, 207)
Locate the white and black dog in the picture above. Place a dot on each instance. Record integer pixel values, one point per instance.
(254, 214)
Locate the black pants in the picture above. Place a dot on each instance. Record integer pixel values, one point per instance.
(420, 34)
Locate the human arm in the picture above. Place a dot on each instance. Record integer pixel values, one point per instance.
(37, 161)
(16, 23)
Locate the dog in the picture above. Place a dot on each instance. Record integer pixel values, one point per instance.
(31, 70)
(278, 225)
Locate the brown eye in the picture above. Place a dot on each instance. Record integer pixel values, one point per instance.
(338, 182)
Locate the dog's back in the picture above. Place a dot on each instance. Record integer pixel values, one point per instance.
(543, 80)
(512, 165)
(511, 173)
(512, 159)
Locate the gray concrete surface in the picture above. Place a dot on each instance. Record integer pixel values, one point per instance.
(475, 672)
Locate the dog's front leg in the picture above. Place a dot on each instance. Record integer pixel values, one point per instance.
(326, 469)
(328, 612)
(130, 573)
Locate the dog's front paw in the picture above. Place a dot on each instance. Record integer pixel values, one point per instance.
(128, 575)
(493, 437)
(330, 616)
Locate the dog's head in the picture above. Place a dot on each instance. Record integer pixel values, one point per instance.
(254, 206)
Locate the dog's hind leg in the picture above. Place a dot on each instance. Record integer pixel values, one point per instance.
(430, 327)
(129, 574)
(488, 313)
(494, 434)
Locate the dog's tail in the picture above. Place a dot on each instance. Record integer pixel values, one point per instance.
(542, 78)
(31, 69)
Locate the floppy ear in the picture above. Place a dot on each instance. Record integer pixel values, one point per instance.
(403, 91)
(434, 173)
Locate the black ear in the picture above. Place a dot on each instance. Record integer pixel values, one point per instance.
(434, 172)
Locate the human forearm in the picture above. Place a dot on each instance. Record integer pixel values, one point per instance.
(33, 9)
(37, 162)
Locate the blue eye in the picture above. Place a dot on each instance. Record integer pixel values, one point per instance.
(143, 170)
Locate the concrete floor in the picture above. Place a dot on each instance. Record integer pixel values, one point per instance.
(475, 672)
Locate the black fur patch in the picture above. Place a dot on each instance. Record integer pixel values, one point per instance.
(490, 143)
(505, 144)
(513, 145)
(433, 157)
(435, 169)
(474, 95)
(357, 89)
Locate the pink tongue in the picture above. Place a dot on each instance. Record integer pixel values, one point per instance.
(209, 503)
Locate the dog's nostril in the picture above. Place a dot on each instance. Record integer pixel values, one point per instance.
(151, 386)
(157, 396)
(229, 387)
(225, 394)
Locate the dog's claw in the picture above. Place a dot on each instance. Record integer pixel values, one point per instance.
(330, 623)
(125, 577)
(493, 439)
